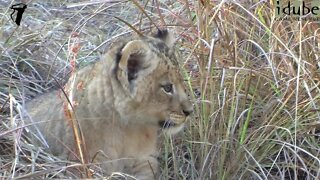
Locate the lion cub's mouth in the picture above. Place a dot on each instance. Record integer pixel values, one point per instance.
(174, 120)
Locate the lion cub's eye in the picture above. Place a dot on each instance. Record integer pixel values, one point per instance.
(168, 88)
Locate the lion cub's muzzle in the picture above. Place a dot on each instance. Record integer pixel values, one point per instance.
(175, 119)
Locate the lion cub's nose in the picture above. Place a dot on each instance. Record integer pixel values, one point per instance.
(187, 112)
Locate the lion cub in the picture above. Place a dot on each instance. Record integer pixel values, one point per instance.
(120, 102)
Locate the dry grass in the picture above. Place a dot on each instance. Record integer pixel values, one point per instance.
(254, 81)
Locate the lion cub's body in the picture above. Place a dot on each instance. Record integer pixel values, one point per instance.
(120, 102)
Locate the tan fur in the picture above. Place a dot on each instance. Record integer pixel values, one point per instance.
(120, 103)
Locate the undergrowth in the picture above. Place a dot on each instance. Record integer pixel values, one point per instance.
(253, 79)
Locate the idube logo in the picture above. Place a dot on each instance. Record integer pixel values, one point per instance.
(297, 9)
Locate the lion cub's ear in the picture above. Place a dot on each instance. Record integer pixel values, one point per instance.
(133, 58)
(166, 36)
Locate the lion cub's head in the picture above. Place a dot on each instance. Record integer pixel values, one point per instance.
(147, 83)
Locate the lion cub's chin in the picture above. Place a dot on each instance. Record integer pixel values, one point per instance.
(170, 128)
(173, 130)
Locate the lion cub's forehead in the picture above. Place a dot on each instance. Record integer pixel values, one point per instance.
(167, 54)
(168, 58)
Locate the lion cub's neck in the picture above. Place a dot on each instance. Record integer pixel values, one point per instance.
(142, 139)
